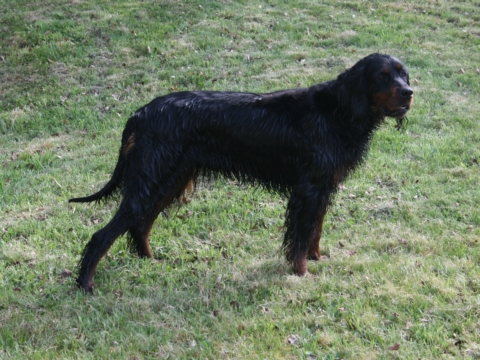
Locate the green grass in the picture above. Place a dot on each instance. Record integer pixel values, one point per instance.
(402, 239)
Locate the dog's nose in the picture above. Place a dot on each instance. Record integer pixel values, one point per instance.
(406, 92)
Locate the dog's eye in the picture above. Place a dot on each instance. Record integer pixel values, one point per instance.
(383, 77)
(403, 73)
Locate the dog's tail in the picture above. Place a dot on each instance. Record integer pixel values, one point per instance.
(110, 187)
(128, 143)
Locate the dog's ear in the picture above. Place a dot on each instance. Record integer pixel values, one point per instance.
(353, 91)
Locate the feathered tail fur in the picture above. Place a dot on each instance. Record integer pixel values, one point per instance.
(116, 180)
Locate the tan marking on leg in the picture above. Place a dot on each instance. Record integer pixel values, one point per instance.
(129, 145)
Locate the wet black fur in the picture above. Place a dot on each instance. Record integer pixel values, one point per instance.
(299, 142)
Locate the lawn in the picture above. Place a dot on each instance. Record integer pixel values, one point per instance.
(400, 276)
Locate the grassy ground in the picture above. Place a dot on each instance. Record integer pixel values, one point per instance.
(401, 279)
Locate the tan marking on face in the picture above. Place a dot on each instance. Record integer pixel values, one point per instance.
(410, 103)
(398, 66)
(382, 99)
(390, 100)
(386, 70)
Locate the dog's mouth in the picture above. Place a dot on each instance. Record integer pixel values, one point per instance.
(397, 113)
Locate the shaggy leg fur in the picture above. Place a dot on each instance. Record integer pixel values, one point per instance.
(314, 245)
(139, 233)
(101, 241)
(306, 204)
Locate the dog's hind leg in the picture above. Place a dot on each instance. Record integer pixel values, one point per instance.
(133, 209)
(139, 233)
(101, 241)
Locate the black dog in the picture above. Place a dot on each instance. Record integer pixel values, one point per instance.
(299, 142)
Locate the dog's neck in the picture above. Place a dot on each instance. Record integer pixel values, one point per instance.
(329, 96)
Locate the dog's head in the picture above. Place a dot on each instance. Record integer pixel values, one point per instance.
(378, 83)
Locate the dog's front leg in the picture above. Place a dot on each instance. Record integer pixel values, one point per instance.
(303, 225)
(314, 244)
